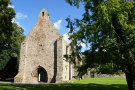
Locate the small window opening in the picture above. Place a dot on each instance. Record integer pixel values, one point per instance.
(42, 13)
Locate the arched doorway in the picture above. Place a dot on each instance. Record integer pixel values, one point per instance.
(42, 75)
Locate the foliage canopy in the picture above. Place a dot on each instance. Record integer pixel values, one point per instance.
(11, 35)
(107, 28)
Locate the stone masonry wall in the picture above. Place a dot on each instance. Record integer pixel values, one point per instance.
(39, 50)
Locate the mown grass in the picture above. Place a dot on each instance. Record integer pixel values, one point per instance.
(85, 84)
(106, 81)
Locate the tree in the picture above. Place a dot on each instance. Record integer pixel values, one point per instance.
(10, 69)
(107, 28)
(6, 29)
(11, 36)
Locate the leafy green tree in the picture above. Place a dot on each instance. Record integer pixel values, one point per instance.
(107, 28)
(10, 69)
(6, 29)
(11, 36)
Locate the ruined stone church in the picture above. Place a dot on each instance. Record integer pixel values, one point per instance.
(42, 55)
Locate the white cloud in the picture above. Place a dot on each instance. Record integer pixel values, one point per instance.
(18, 23)
(20, 16)
(83, 45)
(12, 6)
(66, 37)
(58, 24)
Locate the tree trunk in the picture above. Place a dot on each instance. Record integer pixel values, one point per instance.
(130, 77)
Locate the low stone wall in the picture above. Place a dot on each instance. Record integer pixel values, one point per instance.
(97, 76)
(109, 75)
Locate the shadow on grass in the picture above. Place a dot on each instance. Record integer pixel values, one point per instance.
(7, 80)
(90, 86)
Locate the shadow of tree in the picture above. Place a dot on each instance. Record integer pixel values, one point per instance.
(90, 86)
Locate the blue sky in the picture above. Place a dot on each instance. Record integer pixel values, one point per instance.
(27, 13)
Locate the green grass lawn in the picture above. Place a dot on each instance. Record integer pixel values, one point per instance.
(85, 84)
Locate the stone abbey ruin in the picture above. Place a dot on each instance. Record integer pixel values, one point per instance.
(42, 55)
